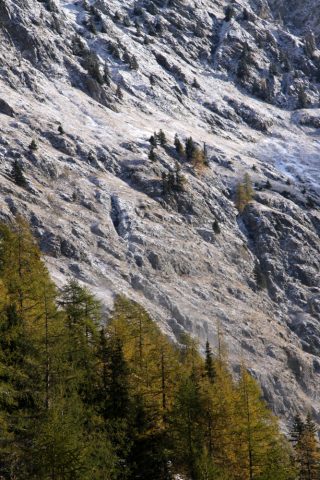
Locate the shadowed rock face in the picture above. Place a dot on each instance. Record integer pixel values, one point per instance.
(14, 22)
(277, 234)
(102, 210)
(5, 108)
(300, 15)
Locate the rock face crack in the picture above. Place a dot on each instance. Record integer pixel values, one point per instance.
(120, 217)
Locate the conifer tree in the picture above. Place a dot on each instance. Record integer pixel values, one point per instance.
(243, 70)
(187, 419)
(164, 181)
(223, 414)
(206, 466)
(153, 140)
(174, 181)
(209, 367)
(22, 269)
(82, 317)
(216, 227)
(205, 154)
(244, 193)
(138, 29)
(17, 398)
(151, 362)
(92, 64)
(162, 138)
(306, 448)
(297, 429)
(17, 174)
(29, 329)
(115, 378)
(152, 155)
(59, 449)
(261, 449)
(229, 13)
(33, 145)
(178, 145)
(194, 154)
(189, 148)
(311, 447)
(198, 158)
(303, 99)
(248, 188)
(240, 197)
(180, 180)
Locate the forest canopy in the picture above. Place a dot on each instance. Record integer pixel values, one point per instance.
(87, 397)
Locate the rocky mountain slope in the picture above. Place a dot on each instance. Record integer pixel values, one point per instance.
(241, 78)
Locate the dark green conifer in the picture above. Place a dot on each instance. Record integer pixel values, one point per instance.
(229, 13)
(153, 140)
(164, 178)
(216, 227)
(33, 145)
(297, 428)
(152, 155)
(189, 148)
(115, 378)
(209, 367)
(162, 138)
(18, 175)
(180, 179)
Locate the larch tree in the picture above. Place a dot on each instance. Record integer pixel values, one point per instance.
(261, 450)
(244, 193)
(306, 448)
(209, 367)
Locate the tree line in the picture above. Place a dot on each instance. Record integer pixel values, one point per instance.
(89, 398)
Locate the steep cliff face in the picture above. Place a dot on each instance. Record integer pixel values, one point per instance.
(237, 79)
